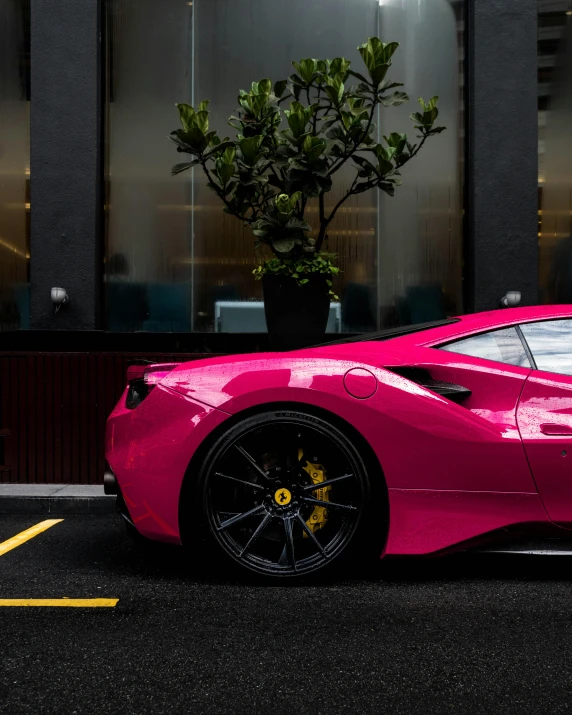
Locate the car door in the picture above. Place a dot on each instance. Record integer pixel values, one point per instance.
(544, 414)
(492, 366)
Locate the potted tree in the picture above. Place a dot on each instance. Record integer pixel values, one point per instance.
(269, 172)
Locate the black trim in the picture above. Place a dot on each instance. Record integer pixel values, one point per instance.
(70, 341)
(527, 350)
(390, 333)
(420, 376)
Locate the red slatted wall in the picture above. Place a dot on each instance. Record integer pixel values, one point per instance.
(53, 409)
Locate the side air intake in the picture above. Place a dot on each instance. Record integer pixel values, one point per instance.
(456, 393)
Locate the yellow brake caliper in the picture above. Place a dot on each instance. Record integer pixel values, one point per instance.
(319, 517)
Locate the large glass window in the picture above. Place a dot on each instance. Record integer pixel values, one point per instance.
(173, 258)
(555, 149)
(14, 163)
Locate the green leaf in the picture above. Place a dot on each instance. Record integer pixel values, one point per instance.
(339, 65)
(204, 104)
(332, 93)
(313, 147)
(306, 69)
(225, 172)
(431, 104)
(179, 168)
(366, 167)
(201, 121)
(265, 86)
(395, 99)
(283, 245)
(280, 87)
(186, 115)
(397, 141)
(229, 154)
(217, 148)
(298, 224)
(193, 139)
(389, 50)
(359, 76)
(378, 73)
(250, 147)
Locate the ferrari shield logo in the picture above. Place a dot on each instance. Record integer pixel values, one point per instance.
(282, 497)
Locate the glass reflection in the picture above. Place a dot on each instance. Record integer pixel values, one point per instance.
(173, 256)
(555, 150)
(498, 345)
(14, 163)
(550, 343)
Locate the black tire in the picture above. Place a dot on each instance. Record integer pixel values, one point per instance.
(259, 507)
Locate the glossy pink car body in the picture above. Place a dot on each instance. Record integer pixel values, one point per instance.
(454, 472)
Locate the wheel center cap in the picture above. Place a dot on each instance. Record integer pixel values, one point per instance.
(282, 497)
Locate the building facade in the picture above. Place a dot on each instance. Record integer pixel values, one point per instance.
(152, 266)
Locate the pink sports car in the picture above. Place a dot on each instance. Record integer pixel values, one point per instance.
(449, 435)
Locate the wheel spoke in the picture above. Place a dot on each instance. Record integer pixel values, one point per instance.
(290, 543)
(259, 529)
(240, 481)
(321, 485)
(240, 517)
(311, 535)
(251, 460)
(328, 504)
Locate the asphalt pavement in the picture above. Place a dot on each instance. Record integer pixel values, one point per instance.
(463, 634)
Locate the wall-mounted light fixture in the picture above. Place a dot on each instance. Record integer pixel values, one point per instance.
(59, 297)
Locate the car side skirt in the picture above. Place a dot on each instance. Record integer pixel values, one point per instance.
(424, 521)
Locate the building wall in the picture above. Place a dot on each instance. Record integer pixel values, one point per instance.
(59, 379)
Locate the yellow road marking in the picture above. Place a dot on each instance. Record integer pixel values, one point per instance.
(59, 602)
(24, 536)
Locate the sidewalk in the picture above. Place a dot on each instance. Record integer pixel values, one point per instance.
(56, 499)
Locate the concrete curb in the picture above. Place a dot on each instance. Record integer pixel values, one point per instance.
(54, 499)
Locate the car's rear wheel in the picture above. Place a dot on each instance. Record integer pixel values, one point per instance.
(287, 494)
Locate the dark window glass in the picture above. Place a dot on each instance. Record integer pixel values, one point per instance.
(14, 163)
(498, 345)
(550, 343)
(555, 150)
(174, 261)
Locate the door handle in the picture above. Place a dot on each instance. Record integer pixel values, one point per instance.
(554, 429)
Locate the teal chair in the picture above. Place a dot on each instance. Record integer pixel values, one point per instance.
(169, 306)
(126, 306)
(21, 294)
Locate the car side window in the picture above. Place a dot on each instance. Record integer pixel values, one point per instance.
(550, 343)
(502, 345)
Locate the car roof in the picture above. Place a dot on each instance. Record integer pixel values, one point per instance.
(473, 323)
(442, 331)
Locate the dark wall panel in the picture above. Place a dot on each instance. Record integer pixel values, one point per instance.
(53, 409)
(65, 161)
(503, 151)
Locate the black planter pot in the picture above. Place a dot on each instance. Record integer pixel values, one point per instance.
(296, 316)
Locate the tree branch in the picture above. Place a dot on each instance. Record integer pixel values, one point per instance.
(325, 222)
(358, 142)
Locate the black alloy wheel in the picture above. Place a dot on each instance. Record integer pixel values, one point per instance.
(285, 494)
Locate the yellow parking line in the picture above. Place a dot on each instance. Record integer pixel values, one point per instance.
(24, 536)
(58, 602)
